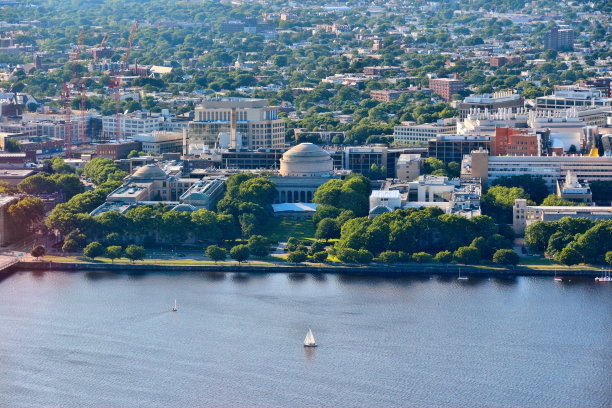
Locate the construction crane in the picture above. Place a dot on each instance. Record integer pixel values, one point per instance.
(83, 108)
(66, 95)
(67, 123)
(116, 82)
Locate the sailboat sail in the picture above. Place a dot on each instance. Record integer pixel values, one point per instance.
(309, 340)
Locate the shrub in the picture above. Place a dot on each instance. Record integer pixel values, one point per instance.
(319, 257)
(364, 256)
(297, 257)
(389, 257)
(38, 251)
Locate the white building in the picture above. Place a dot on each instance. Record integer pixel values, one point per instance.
(550, 168)
(573, 96)
(160, 142)
(410, 133)
(524, 215)
(130, 125)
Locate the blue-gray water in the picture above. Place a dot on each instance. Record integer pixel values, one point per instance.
(107, 340)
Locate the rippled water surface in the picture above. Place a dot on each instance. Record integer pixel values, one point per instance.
(109, 340)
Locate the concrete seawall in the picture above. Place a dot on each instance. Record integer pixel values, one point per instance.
(370, 270)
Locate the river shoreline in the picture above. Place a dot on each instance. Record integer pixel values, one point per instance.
(366, 270)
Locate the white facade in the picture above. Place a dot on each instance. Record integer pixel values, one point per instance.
(524, 215)
(130, 125)
(409, 133)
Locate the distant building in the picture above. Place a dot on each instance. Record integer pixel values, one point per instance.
(501, 60)
(559, 39)
(381, 70)
(514, 142)
(130, 125)
(524, 215)
(460, 197)
(446, 87)
(603, 85)
(573, 96)
(408, 167)
(491, 102)
(160, 142)
(410, 133)
(116, 151)
(551, 168)
(360, 159)
(303, 169)
(573, 190)
(453, 148)
(258, 124)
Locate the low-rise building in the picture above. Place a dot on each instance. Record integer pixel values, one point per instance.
(551, 168)
(524, 215)
(446, 87)
(410, 133)
(515, 142)
(456, 196)
(491, 102)
(160, 142)
(116, 151)
(574, 190)
(454, 148)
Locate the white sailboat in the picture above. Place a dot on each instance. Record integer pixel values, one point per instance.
(174, 309)
(309, 341)
(605, 276)
(461, 277)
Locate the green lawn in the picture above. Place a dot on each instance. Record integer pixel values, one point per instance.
(280, 229)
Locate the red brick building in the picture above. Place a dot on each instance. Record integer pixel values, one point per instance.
(503, 60)
(601, 84)
(446, 87)
(514, 142)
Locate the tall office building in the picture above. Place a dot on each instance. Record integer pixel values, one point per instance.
(257, 124)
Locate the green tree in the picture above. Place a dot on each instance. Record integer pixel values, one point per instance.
(259, 246)
(114, 252)
(27, 212)
(93, 250)
(240, 253)
(569, 256)
(37, 184)
(609, 257)
(389, 257)
(38, 251)
(59, 166)
(364, 256)
(506, 257)
(69, 245)
(555, 200)
(444, 257)
(327, 229)
(135, 253)
(216, 253)
(297, 257)
(320, 256)
(467, 255)
(422, 257)
(432, 164)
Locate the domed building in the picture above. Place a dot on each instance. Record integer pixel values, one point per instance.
(303, 168)
(306, 160)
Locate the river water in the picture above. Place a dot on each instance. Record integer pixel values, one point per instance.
(111, 340)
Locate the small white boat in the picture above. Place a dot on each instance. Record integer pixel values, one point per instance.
(558, 278)
(605, 276)
(174, 309)
(461, 277)
(309, 341)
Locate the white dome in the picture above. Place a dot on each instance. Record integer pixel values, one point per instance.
(306, 160)
(150, 172)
